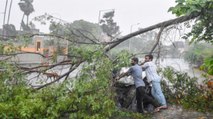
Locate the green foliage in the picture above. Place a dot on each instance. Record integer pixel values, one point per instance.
(187, 92)
(208, 65)
(88, 96)
(12, 84)
(200, 55)
(1, 48)
(122, 59)
(202, 30)
(94, 98)
(7, 48)
(186, 7)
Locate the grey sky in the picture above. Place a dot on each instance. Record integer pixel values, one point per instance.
(127, 12)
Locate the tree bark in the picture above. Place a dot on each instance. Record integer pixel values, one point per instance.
(158, 39)
(22, 21)
(162, 24)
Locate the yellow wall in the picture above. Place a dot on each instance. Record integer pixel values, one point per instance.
(42, 49)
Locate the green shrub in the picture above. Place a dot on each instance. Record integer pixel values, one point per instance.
(187, 92)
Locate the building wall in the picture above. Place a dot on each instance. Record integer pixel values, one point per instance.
(42, 48)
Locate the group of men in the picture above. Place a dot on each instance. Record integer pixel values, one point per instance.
(159, 101)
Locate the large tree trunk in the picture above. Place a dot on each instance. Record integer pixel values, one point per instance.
(27, 19)
(162, 24)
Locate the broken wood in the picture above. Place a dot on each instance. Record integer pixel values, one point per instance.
(53, 75)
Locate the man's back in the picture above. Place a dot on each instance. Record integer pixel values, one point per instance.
(136, 73)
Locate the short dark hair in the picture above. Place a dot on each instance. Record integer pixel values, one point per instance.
(135, 59)
(150, 56)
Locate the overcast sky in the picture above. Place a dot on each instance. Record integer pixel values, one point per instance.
(128, 13)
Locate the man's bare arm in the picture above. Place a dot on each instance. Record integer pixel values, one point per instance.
(122, 75)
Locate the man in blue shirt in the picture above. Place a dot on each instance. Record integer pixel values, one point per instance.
(136, 72)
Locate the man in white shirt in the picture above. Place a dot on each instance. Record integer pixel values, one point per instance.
(152, 75)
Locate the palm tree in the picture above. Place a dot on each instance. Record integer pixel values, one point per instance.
(8, 19)
(27, 7)
(8, 29)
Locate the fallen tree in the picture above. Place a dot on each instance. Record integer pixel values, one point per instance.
(159, 25)
(90, 94)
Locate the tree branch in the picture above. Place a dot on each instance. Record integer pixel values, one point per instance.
(162, 24)
(158, 39)
(65, 74)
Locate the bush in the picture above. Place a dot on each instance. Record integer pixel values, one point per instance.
(187, 92)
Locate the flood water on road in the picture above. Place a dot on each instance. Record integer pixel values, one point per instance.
(181, 65)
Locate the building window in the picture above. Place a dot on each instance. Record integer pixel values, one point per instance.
(38, 46)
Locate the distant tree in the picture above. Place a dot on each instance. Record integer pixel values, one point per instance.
(94, 29)
(79, 30)
(27, 7)
(108, 25)
(144, 42)
(9, 30)
(197, 52)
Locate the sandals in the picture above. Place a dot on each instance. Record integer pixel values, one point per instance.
(159, 108)
(163, 107)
